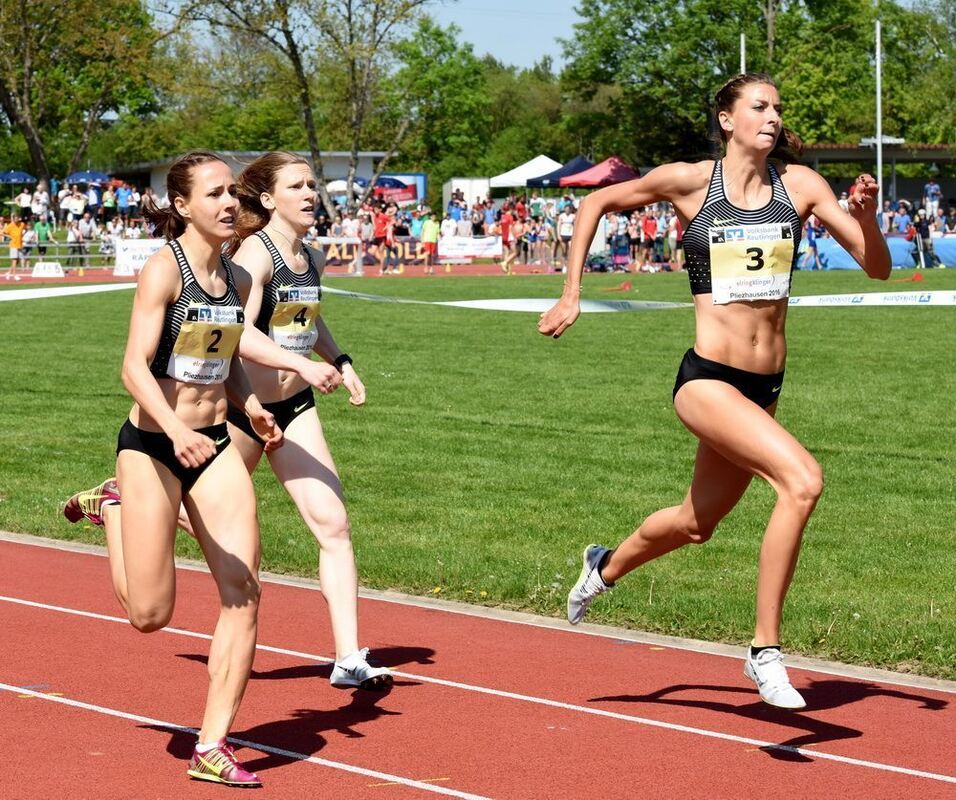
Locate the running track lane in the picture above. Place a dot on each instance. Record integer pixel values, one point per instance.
(583, 711)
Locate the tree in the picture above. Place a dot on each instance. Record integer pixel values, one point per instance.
(356, 34)
(441, 87)
(67, 65)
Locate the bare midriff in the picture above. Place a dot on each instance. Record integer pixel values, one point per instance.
(747, 336)
(272, 385)
(198, 406)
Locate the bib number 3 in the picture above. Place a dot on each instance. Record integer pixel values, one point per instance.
(756, 256)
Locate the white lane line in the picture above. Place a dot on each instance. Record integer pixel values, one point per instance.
(264, 748)
(541, 701)
(492, 614)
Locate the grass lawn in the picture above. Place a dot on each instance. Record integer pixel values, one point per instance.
(488, 455)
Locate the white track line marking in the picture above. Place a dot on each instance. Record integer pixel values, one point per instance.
(541, 701)
(264, 748)
(489, 613)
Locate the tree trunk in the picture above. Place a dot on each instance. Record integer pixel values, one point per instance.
(24, 122)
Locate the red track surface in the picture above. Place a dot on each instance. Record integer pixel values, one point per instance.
(580, 721)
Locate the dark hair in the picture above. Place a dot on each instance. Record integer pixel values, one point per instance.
(789, 146)
(167, 222)
(257, 178)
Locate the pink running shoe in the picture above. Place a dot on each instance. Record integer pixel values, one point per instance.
(90, 503)
(221, 766)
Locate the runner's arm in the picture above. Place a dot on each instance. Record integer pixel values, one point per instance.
(859, 231)
(667, 182)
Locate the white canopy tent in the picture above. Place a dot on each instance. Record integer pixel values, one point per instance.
(519, 176)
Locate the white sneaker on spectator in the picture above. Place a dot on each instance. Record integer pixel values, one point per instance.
(589, 585)
(768, 672)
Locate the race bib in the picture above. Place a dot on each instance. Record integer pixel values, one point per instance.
(750, 262)
(207, 340)
(292, 326)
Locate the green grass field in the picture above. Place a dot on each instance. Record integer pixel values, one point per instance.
(488, 455)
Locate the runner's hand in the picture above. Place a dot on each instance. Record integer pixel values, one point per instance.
(863, 197)
(355, 386)
(321, 375)
(264, 424)
(559, 317)
(192, 449)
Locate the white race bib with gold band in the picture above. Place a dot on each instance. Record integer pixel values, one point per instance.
(750, 262)
(208, 338)
(292, 326)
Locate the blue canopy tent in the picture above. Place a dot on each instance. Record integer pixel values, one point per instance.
(15, 176)
(88, 176)
(575, 165)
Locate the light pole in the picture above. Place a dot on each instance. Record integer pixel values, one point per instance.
(879, 115)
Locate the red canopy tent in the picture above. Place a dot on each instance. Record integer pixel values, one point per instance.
(609, 171)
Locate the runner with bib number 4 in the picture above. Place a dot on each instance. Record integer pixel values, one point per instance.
(742, 217)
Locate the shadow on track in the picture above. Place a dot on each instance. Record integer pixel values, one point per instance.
(304, 731)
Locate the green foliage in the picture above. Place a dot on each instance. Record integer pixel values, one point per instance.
(66, 66)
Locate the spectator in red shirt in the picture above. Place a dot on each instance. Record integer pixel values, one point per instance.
(508, 249)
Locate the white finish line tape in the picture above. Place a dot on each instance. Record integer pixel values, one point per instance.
(539, 304)
(877, 299)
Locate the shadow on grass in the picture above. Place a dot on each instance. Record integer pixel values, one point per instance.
(820, 695)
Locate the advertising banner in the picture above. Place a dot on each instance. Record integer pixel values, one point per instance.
(131, 254)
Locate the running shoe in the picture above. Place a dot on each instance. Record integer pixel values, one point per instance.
(590, 583)
(90, 503)
(220, 765)
(355, 671)
(767, 671)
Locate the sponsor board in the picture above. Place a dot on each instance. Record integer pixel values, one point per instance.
(940, 298)
(131, 254)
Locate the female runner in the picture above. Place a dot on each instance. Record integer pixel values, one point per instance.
(743, 216)
(276, 202)
(186, 324)
(277, 197)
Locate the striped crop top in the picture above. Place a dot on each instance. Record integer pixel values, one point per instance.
(291, 302)
(200, 332)
(740, 255)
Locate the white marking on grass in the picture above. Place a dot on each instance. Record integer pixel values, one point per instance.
(63, 291)
(264, 748)
(541, 701)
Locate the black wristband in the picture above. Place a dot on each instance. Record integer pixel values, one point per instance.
(341, 361)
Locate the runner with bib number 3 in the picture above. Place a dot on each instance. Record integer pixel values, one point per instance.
(742, 217)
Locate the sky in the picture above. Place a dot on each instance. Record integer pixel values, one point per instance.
(518, 32)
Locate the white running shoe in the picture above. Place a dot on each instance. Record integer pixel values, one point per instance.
(768, 672)
(590, 583)
(355, 671)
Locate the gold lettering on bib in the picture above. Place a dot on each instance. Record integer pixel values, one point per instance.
(750, 262)
(292, 326)
(207, 340)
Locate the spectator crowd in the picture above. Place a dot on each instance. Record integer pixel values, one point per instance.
(534, 230)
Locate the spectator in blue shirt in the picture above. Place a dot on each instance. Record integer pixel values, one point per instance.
(931, 197)
(902, 219)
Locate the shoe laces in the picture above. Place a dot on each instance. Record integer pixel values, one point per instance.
(593, 583)
(771, 667)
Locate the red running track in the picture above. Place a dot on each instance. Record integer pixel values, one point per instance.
(481, 708)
